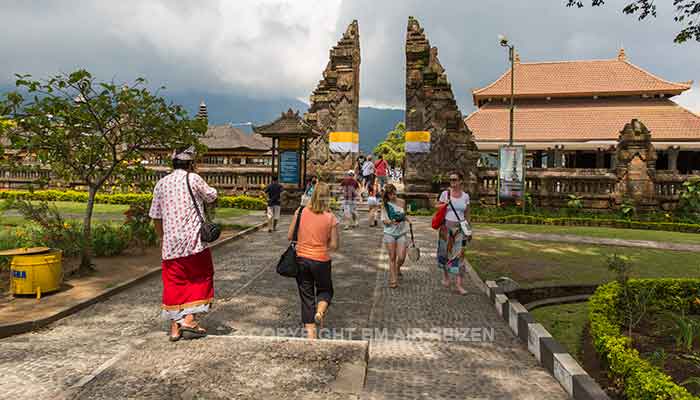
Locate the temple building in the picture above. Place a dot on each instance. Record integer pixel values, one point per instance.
(235, 161)
(569, 114)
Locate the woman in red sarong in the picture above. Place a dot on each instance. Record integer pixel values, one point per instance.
(187, 267)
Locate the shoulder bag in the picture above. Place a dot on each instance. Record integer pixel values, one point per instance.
(463, 224)
(288, 265)
(209, 231)
(439, 216)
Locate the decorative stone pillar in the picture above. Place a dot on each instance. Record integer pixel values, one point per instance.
(432, 115)
(636, 166)
(335, 106)
(673, 158)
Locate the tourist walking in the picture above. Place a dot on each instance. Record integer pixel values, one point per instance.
(187, 267)
(454, 233)
(350, 188)
(317, 237)
(381, 168)
(274, 205)
(358, 168)
(368, 172)
(373, 204)
(308, 191)
(395, 232)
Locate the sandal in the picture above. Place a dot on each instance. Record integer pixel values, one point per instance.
(193, 332)
(318, 318)
(393, 285)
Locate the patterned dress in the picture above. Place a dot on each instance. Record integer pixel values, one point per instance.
(451, 240)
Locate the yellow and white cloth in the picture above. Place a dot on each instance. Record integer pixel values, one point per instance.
(417, 141)
(344, 142)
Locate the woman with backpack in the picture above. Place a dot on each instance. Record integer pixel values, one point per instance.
(454, 233)
(395, 232)
(317, 237)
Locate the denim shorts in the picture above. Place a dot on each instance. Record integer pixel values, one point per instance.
(389, 239)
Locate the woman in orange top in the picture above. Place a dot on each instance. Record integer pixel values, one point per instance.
(318, 235)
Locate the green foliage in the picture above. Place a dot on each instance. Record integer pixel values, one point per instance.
(687, 13)
(245, 202)
(92, 132)
(599, 222)
(687, 330)
(139, 224)
(628, 210)
(658, 358)
(633, 303)
(574, 203)
(690, 196)
(393, 147)
(641, 379)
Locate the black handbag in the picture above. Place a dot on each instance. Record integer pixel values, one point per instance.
(209, 231)
(288, 265)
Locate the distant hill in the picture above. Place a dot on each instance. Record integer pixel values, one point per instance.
(375, 123)
(232, 108)
(224, 108)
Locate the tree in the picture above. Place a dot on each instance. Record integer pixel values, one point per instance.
(393, 147)
(687, 12)
(91, 132)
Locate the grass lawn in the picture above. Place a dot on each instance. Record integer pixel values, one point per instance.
(630, 234)
(565, 322)
(102, 212)
(551, 263)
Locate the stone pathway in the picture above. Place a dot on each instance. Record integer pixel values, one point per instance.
(548, 237)
(465, 350)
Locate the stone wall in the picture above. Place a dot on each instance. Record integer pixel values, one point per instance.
(431, 107)
(335, 104)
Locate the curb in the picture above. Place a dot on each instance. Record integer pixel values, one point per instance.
(552, 355)
(31, 325)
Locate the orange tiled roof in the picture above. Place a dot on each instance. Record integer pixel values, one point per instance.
(583, 120)
(579, 78)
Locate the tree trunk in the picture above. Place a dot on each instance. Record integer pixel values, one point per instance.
(86, 255)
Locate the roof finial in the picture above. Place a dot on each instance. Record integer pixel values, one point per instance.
(621, 54)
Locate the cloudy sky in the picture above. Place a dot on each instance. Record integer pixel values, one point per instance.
(277, 49)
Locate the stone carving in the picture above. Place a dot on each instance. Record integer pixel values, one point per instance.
(335, 104)
(636, 165)
(431, 106)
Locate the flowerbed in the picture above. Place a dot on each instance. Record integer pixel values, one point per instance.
(245, 202)
(640, 378)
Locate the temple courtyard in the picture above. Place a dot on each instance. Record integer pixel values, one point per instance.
(418, 341)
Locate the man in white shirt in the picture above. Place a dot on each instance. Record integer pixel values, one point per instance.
(188, 270)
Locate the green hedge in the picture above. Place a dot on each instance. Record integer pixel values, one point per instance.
(246, 202)
(598, 222)
(642, 381)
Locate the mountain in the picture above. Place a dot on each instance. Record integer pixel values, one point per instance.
(375, 123)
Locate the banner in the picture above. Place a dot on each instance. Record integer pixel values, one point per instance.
(289, 167)
(344, 142)
(511, 172)
(289, 144)
(417, 141)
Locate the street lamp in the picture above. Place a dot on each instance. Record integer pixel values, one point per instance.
(511, 55)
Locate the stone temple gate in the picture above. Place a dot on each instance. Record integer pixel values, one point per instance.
(438, 141)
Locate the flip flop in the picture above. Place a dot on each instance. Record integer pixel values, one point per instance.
(192, 332)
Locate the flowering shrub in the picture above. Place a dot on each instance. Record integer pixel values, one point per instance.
(641, 379)
(243, 201)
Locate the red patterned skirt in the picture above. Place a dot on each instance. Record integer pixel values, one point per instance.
(188, 282)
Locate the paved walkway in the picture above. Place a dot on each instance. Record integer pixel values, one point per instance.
(466, 350)
(549, 237)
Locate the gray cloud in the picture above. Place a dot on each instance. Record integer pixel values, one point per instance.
(276, 48)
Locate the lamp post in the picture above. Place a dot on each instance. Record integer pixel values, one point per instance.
(511, 55)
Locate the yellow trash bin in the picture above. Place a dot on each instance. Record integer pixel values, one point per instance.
(35, 270)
